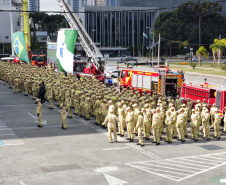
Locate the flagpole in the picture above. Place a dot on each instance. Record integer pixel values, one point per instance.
(159, 49)
(143, 47)
(11, 26)
(153, 47)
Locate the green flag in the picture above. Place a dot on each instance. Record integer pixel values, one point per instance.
(19, 46)
(65, 49)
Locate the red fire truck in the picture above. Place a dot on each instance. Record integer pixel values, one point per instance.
(165, 83)
(83, 68)
(39, 60)
(212, 94)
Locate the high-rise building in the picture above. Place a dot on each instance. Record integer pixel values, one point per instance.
(34, 5)
(164, 5)
(76, 5)
(5, 29)
(112, 2)
(100, 2)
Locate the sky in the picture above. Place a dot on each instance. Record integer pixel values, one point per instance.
(49, 5)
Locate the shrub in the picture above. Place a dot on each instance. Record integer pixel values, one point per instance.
(193, 65)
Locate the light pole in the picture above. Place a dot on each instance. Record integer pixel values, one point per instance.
(191, 53)
(133, 42)
(185, 48)
(11, 26)
(93, 30)
(149, 36)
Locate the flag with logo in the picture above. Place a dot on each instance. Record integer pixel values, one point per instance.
(145, 35)
(65, 49)
(19, 46)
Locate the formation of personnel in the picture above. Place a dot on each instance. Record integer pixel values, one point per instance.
(140, 114)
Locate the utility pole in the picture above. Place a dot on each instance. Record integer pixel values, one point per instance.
(11, 26)
(200, 40)
(159, 49)
(153, 43)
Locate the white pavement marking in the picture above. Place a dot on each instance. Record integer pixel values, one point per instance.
(22, 183)
(32, 115)
(114, 181)
(166, 168)
(11, 144)
(106, 169)
(116, 148)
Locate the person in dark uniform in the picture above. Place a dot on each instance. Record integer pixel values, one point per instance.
(41, 92)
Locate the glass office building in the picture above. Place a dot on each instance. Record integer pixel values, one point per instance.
(114, 27)
(164, 5)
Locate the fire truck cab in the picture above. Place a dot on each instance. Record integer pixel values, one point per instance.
(39, 60)
(212, 94)
(165, 83)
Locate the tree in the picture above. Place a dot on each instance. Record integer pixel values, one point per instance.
(183, 24)
(221, 45)
(215, 48)
(201, 52)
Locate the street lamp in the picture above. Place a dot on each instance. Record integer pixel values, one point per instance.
(92, 33)
(133, 42)
(149, 38)
(185, 48)
(191, 53)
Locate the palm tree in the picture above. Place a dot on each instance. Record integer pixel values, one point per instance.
(215, 48)
(220, 48)
(201, 52)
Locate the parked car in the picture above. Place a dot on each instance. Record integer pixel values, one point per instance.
(113, 73)
(129, 58)
(195, 59)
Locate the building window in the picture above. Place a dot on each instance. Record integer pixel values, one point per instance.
(6, 37)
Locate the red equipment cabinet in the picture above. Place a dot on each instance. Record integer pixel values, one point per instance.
(165, 83)
(212, 94)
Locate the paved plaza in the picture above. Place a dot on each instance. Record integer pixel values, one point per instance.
(82, 155)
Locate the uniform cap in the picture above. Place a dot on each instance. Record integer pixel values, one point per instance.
(37, 100)
(193, 110)
(61, 105)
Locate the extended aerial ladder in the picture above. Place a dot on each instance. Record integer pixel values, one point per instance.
(88, 45)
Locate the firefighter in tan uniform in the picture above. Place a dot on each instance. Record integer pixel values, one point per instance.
(87, 108)
(147, 122)
(178, 103)
(217, 123)
(96, 110)
(155, 126)
(103, 110)
(16, 84)
(50, 97)
(39, 113)
(185, 119)
(179, 125)
(168, 122)
(63, 116)
(68, 105)
(110, 121)
(121, 120)
(174, 121)
(206, 123)
(130, 123)
(193, 124)
(189, 107)
(140, 128)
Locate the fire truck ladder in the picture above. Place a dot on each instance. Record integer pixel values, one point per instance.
(88, 45)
